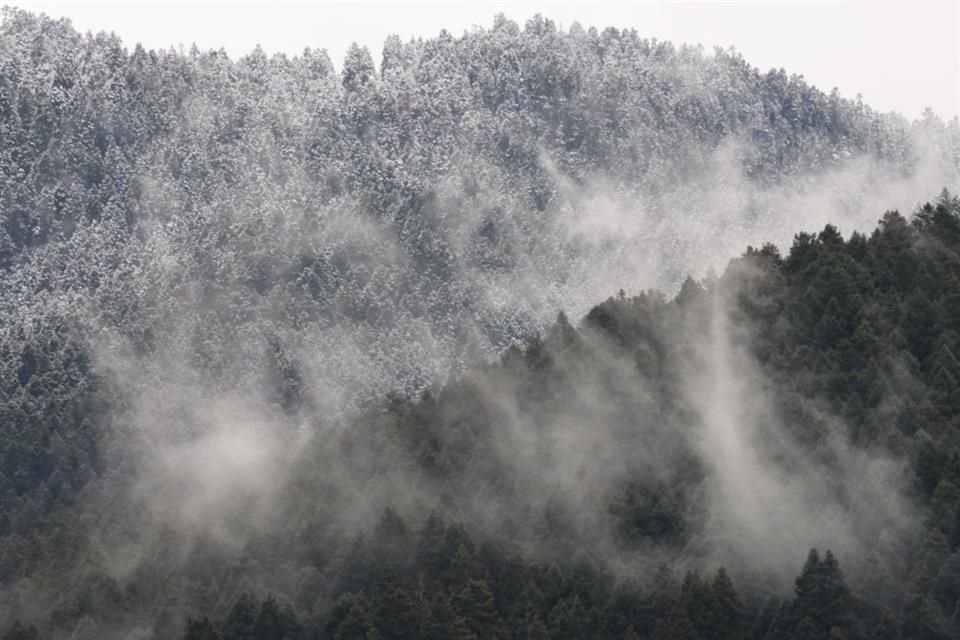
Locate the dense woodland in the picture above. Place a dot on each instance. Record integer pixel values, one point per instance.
(407, 216)
(858, 332)
(247, 316)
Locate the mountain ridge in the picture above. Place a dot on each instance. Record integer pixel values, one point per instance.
(210, 268)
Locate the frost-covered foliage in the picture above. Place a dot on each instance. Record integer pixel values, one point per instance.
(384, 226)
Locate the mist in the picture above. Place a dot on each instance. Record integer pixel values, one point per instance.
(281, 274)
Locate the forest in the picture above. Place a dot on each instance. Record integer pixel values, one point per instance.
(295, 353)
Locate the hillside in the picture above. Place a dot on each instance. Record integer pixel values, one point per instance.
(280, 352)
(389, 223)
(801, 400)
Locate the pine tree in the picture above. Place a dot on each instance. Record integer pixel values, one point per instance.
(430, 546)
(570, 620)
(696, 600)
(474, 603)
(727, 613)
(358, 68)
(531, 626)
(676, 626)
(392, 537)
(805, 586)
(239, 624)
(822, 595)
(808, 630)
(357, 624)
(833, 595)
(922, 618)
(886, 628)
(465, 567)
(393, 612)
(268, 625)
(441, 619)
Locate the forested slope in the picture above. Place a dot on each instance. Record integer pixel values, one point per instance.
(386, 224)
(231, 291)
(587, 485)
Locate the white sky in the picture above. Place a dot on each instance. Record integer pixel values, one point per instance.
(900, 56)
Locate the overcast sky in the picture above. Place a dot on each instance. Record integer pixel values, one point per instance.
(900, 56)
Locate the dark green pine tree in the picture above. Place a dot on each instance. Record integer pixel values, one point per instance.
(355, 566)
(443, 623)
(675, 627)
(475, 604)
(275, 622)
(664, 591)
(429, 552)
(950, 304)
(357, 623)
(945, 389)
(922, 619)
(394, 614)
(533, 627)
(822, 596)
(946, 586)
(776, 620)
(726, 621)
(570, 620)
(239, 624)
(805, 586)
(691, 293)
(696, 599)
(511, 592)
(392, 539)
(465, 567)
(886, 628)
(530, 624)
(808, 630)
(834, 598)
(197, 629)
(624, 610)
